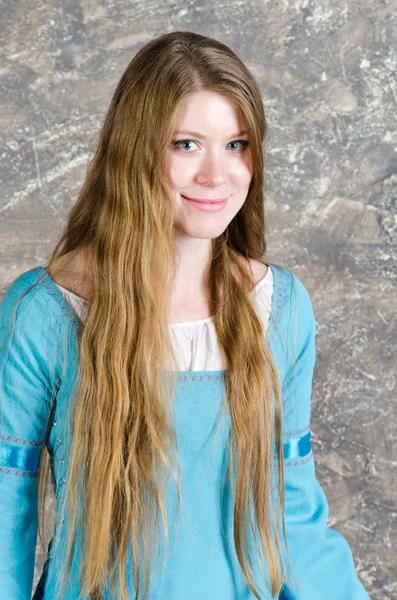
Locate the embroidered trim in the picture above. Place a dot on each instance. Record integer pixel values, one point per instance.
(10, 438)
(297, 431)
(191, 376)
(296, 463)
(58, 298)
(16, 472)
(275, 317)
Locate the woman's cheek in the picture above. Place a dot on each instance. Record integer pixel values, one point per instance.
(182, 172)
(243, 173)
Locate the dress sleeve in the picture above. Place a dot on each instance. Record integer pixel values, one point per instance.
(320, 556)
(25, 400)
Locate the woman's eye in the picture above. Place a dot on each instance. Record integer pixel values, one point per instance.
(178, 144)
(182, 144)
(244, 143)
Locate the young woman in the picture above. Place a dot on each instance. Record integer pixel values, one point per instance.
(162, 370)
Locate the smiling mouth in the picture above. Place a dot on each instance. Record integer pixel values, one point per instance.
(217, 201)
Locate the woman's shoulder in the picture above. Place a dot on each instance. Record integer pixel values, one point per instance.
(33, 299)
(290, 279)
(259, 270)
(23, 292)
(70, 271)
(27, 317)
(293, 295)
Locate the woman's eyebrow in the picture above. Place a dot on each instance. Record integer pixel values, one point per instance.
(198, 135)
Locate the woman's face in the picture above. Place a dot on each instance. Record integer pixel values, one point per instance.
(209, 159)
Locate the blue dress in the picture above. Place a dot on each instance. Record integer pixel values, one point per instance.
(201, 564)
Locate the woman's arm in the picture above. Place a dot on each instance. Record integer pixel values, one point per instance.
(321, 556)
(25, 393)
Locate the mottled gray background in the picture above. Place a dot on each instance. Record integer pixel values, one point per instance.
(327, 71)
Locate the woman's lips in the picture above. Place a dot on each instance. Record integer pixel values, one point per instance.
(208, 206)
(209, 201)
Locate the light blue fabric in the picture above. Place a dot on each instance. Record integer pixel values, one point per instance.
(36, 393)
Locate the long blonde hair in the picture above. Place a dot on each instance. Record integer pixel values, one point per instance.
(123, 437)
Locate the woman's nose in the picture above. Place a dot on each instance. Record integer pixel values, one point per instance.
(213, 182)
(212, 173)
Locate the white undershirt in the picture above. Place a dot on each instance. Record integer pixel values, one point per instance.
(195, 342)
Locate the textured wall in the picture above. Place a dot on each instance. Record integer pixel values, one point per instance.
(328, 74)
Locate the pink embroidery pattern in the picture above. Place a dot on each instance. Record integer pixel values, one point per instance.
(296, 432)
(10, 438)
(192, 377)
(279, 299)
(8, 471)
(60, 299)
(302, 461)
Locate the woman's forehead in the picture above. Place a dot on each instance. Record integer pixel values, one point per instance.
(208, 114)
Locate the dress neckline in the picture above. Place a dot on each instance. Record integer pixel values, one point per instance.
(58, 288)
(180, 324)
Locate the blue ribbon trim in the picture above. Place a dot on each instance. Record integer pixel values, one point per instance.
(297, 447)
(23, 459)
(28, 458)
